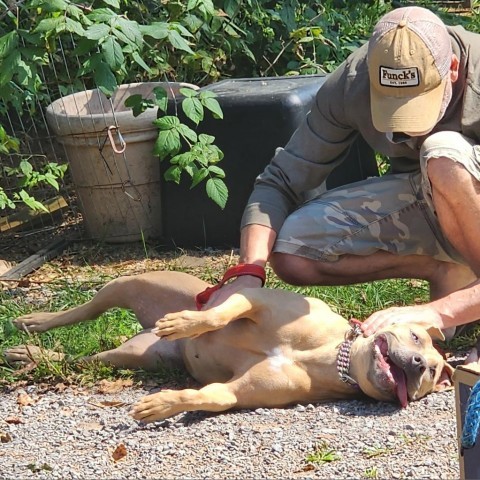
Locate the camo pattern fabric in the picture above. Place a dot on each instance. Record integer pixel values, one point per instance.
(385, 213)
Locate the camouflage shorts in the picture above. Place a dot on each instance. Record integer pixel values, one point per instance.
(382, 213)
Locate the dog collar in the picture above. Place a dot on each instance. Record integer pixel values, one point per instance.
(343, 356)
(241, 269)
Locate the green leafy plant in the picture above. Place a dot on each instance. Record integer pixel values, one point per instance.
(189, 152)
(322, 454)
(27, 177)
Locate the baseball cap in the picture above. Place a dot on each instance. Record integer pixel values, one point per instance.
(409, 59)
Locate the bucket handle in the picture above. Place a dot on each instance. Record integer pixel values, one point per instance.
(123, 145)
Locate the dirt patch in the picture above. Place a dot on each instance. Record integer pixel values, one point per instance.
(89, 261)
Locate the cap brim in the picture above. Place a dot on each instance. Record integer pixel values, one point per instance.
(416, 114)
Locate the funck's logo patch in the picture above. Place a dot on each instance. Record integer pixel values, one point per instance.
(399, 77)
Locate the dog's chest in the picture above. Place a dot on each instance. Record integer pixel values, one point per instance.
(277, 358)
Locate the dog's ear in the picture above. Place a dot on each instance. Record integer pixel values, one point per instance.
(435, 333)
(445, 380)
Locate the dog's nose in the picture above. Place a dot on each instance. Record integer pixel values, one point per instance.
(419, 363)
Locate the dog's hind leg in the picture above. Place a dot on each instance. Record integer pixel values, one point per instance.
(149, 295)
(144, 350)
(106, 298)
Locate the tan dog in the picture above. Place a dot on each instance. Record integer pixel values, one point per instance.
(260, 348)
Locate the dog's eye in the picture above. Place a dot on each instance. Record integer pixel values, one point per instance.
(414, 337)
(433, 372)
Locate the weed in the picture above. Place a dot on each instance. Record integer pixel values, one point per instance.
(370, 472)
(376, 451)
(322, 454)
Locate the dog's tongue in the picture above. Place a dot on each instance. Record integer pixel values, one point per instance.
(401, 385)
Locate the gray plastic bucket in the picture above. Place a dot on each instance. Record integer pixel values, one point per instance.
(116, 175)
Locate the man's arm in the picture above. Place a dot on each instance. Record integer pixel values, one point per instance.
(256, 243)
(458, 308)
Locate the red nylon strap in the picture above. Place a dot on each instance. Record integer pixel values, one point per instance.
(237, 271)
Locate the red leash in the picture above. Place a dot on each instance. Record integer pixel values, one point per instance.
(237, 271)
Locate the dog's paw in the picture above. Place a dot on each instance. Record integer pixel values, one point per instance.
(157, 406)
(185, 324)
(34, 322)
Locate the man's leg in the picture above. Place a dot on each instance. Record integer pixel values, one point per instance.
(456, 196)
(371, 230)
(443, 277)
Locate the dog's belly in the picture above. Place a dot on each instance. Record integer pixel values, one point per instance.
(219, 355)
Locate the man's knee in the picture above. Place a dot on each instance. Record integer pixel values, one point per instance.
(296, 270)
(439, 172)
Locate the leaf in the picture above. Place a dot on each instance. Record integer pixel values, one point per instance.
(112, 51)
(161, 98)
(167, 143)
(26, 167)
(119, 452)
(31, 202)
(178, 41)
(193, 109)
(138, 104)
(198, 176)
(101, 15)
(112, 3)
(52, 180)
(50, 25)
(136, 56)
(216, 171)
(107, 386)
(156, 30)
(24, 400)
(130, 30)
(8, 67)
(97, 31)
(54, 6)
(173, 174)
(5, 437)
(183, 159)
(212, 104)
(8, 43)
(188, 92)
(167, 122)
(104, 78)
(217, 191)
(206, 139)
(14, 420)
(187, 132)
(74, 27)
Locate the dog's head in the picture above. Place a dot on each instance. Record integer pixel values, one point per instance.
(400, 363)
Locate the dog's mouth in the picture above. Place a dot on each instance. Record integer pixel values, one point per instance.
(391, 377)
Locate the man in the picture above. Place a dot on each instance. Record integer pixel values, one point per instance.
(413, 93)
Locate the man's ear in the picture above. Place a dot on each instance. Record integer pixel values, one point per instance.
(445, 381)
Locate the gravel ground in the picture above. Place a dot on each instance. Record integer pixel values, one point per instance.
(80, 433)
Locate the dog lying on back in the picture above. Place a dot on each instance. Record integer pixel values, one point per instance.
(260, 348)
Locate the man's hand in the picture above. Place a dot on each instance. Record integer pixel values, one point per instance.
(244, 281)
(423, 314)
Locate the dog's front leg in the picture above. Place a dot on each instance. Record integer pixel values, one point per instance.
(188, 323)
(215, 397)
